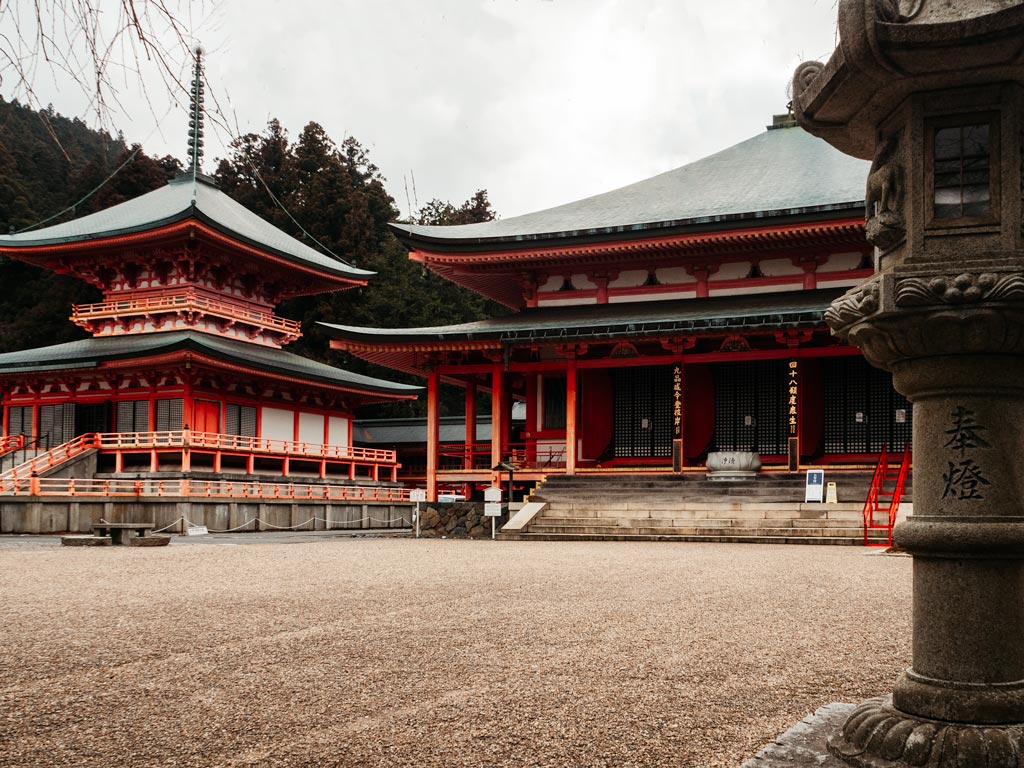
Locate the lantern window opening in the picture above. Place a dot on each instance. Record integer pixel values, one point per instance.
(963, 169)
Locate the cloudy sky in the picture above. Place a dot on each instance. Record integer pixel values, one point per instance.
(540, 102)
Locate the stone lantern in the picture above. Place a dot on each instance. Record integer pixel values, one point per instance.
(933, 92)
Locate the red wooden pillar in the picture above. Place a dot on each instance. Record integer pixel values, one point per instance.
(497, 409)
(570, 417)
(467, 462)
(433, 431)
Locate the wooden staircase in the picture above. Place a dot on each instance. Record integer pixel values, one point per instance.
(768, 509)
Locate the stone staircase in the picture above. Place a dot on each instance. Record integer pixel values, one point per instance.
(767, 509)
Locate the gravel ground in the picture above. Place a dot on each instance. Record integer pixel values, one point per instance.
(398, 652)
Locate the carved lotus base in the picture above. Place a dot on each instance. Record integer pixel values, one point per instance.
(876, 735)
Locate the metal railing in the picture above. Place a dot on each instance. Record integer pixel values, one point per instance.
(189, 300)
(877, 495)
(477, 456)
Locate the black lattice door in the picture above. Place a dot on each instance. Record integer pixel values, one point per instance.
(751, 406)
(863, 413)
(643, 412)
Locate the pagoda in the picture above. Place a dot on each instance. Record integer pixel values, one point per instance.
(184, 372)
(656, 324)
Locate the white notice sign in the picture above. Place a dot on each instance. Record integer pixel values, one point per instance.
(196, 530)
(815, 488)
(492, 494)
(492, 509)
(417, 494)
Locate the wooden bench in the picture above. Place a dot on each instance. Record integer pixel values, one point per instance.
(117, 531)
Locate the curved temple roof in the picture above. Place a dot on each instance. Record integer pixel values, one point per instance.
(783, 171)
(90, 353)
(182, 198)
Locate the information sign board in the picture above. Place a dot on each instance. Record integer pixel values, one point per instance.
(417, 494)
(492, 494)
(492, 509)
(815, 488)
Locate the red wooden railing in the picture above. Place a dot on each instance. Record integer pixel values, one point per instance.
(120, 442)
(185, 301)
(48, 459)
(880, 499)
(65, 486)
(11, 443)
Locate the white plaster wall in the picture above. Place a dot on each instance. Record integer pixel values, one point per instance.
(777, 267)
(338, 426)
(631, 278)
(840, 262)
(311, 428)
(647, 297)
(277, 424)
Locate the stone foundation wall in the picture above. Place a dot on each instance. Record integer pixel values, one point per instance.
(32, 515)
(457, 520)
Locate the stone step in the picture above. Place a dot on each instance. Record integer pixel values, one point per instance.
(668, 522)
(706, 538)
(697, 530)
(739, 511)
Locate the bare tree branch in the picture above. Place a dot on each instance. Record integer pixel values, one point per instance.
(103, 49)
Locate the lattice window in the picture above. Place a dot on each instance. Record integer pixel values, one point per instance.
(240, 420)
(169, 415)
(19, 420)
(56, 424)
(132, 416)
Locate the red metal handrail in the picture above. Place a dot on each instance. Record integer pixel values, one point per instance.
(897, 493)
(871, 503)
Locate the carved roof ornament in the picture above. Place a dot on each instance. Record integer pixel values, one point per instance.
(889, 49)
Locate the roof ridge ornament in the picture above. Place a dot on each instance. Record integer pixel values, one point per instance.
(195, 117)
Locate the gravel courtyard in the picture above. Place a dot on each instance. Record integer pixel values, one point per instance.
(397, 652)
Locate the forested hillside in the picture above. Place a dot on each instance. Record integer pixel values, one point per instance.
(49, 163)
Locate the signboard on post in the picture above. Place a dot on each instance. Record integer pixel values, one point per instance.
(492, 509)
(815, 487)
(492, 494)
(418, 494)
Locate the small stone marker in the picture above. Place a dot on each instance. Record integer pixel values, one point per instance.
(196, 530)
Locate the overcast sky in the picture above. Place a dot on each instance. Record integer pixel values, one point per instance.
(540, 102)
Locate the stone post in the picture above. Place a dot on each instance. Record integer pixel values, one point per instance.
(931, 91)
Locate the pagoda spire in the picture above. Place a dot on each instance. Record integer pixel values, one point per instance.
(195, 118)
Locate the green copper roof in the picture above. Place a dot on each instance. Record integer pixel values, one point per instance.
(90, 353)
(182, 198)
(604, 321)
(783, 171)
